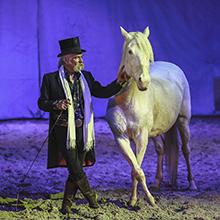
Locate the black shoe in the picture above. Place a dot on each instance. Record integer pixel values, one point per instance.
(88, 193)
(69, 195)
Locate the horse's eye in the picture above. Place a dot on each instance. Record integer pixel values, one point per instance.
(130, 52)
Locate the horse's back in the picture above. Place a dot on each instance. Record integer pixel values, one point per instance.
(161, 70)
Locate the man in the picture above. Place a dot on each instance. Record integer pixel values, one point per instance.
(66, 94)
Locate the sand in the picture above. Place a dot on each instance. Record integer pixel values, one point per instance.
(41, 196)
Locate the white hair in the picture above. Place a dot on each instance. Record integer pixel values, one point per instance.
(60, 62)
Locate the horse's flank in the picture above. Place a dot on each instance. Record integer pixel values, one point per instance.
(170, 90)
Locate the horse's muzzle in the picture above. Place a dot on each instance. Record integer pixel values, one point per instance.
(143, 86)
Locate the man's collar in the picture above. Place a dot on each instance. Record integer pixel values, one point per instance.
(75, 74)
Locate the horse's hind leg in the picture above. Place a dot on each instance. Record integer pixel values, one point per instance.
(183, 126)
(159, 147)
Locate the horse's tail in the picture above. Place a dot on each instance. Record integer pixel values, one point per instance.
(172, 154)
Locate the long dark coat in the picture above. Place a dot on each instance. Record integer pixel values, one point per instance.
(51, 91)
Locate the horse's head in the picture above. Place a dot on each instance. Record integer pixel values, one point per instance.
(137, 55)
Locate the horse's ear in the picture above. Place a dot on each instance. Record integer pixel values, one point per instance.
(147, 31)
(125, 33)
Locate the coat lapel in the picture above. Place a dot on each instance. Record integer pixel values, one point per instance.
(59, 84)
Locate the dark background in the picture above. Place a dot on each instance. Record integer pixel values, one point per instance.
(185, 32)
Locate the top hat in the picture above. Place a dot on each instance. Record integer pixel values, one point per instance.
(70, 45)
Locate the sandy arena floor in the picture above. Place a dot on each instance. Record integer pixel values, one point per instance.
(41, 197)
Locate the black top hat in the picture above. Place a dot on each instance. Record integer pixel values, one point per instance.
(70, 45)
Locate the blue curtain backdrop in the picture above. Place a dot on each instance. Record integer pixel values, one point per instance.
(185, 32)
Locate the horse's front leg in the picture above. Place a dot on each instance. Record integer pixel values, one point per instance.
(133, 199)
(118, 125)
(129, 155)
(141, 145)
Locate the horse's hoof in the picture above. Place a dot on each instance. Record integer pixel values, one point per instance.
(150, 199)
(192, 186)
(152, 202)
(132, 202)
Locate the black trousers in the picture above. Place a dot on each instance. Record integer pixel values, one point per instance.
(73, 157)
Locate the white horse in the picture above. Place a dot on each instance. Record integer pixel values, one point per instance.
(154, 103)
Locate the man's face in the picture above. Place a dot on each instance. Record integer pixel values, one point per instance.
(73, 62)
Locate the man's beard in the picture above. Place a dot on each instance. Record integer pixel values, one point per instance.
(78, 67)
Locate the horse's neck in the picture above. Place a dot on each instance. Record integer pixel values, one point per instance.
(129, 94)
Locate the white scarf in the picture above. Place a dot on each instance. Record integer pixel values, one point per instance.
(88, 125)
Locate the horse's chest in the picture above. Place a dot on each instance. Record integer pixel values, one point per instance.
(136, 115)
(136, 110)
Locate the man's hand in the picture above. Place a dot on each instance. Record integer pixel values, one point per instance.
(122, 76)
(62, 104)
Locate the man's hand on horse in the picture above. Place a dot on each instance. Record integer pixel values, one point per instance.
(122, 76)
